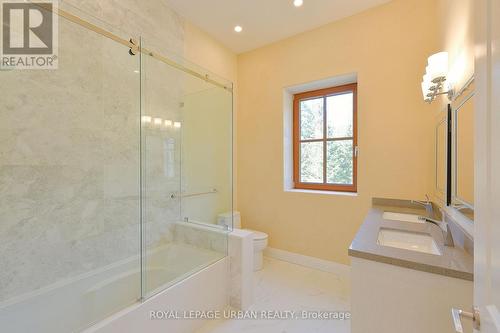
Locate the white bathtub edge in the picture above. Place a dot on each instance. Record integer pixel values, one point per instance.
(207, 289)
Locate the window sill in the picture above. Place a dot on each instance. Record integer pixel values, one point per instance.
(338, 193)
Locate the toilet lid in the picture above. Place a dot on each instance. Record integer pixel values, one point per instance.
(258, 235)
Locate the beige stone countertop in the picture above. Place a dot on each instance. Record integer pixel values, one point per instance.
(453, 261)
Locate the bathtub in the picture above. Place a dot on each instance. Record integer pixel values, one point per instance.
(95, 297)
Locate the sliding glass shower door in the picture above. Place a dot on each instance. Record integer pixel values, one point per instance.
(70, 186)
(186, 168)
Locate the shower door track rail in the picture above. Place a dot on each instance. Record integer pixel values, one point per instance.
(132, 44)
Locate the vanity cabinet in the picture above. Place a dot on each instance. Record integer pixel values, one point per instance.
(393, 299)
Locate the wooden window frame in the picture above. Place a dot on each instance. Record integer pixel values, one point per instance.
(353, 87)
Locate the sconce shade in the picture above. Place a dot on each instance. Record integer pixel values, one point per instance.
(425, 89)
(434, 80)
(437, 67)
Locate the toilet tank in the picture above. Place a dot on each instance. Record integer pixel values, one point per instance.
(230, 219)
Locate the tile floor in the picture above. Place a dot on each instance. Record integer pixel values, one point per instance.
(285, 286)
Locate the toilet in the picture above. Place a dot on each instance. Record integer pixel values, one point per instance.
(259, 238)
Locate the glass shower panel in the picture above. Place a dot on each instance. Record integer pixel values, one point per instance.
(206, 154)
(70, 186)
(186, 171)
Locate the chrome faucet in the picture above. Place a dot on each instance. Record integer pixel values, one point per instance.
(427, 205)
(445, 229)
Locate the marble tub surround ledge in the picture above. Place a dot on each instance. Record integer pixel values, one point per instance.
(453, 261)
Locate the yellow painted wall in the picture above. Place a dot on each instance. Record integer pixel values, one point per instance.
(456, 36)
(388, 47)
(202, 49)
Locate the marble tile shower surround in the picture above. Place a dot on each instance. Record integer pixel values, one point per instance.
(69, 151)
(60, 153)
(203, 237)
(161, 99)
(160, 27)
(153, 21)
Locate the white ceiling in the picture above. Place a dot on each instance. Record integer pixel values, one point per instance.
(264, 21)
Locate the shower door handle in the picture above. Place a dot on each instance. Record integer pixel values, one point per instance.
(457, 316)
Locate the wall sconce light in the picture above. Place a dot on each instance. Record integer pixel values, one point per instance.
(434, 81)
(177, 124)
(157, 122)
(147, 119)
(168, 123)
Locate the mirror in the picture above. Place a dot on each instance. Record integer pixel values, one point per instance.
(441, 153)
(463, 152)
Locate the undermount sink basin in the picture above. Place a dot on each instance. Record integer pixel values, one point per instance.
(401, 217)
(408, 240)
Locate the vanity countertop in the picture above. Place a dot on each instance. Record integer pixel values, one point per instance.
(453, 261)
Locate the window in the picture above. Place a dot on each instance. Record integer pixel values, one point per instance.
(325, 139)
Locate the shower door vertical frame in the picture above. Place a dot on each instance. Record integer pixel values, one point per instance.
(142, 152)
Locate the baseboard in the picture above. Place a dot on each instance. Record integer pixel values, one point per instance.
(311, 262)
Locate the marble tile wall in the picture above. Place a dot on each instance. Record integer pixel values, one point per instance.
(201, 236)
(241, 290)
(238, 244)
(70, 150)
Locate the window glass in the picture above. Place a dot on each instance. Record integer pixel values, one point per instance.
(311, 162)
(339, 165)
(339, 115)
(311, 119)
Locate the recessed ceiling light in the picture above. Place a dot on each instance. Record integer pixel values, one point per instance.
(238, 28)
(298, 3)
